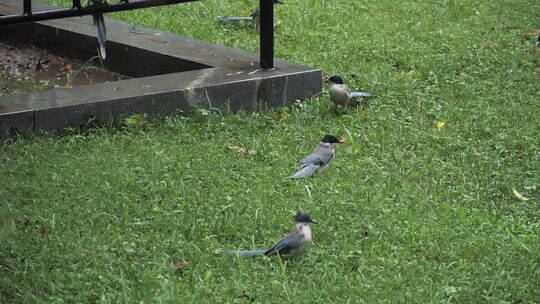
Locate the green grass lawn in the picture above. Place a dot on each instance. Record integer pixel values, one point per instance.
(410, 211)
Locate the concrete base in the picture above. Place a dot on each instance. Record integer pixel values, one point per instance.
(173, 72)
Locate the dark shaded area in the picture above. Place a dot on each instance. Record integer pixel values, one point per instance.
(124, 59)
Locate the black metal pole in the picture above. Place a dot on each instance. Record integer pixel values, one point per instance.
(27, 7)
(76, 12)
(267, 34)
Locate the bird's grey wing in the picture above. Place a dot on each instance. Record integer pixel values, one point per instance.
(243, 252)
(233, 18)
(306, 171)
(312, 159)
(340, 94)
(285, 246)
(361, 94)
(320, 156)
(99, 22)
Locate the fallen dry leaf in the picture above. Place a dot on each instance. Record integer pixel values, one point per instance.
(241, 150)
(68, 68)
(281, 116)
(177, 265)
(440, 124)
(42, 231)
(325, 77)
(518, 195)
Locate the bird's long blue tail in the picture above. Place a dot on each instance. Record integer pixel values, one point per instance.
(307, 171)
(243, 252)
(361, 94)
(234, 18)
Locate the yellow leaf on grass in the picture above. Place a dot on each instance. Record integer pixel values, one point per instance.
(281, 116)
(241, 150)
(440, 124)
(518, 195)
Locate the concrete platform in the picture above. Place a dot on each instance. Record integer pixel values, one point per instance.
(172, 72)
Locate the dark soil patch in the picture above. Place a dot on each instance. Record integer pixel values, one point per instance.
(25, 68)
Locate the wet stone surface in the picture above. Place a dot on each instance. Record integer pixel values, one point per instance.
(26, 69)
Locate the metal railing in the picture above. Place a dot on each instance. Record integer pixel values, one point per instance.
(267, 34)
(77, 9)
